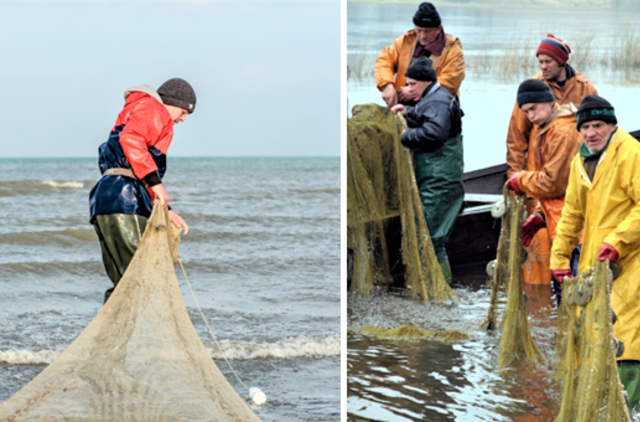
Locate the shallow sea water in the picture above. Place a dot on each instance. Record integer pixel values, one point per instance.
(262, 257)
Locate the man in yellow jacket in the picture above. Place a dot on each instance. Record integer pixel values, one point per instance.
(427, 39)
(603, 197)
(556, 143)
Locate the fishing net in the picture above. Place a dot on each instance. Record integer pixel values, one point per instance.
(586, 350)
(381, 187)
(516, 342)
(140, 359)
(412, 332)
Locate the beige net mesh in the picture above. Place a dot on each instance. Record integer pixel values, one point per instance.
(516, 342)
(140, 359)
(585, 361)
(381, 186)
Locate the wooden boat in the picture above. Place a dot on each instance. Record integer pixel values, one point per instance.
(475, 235)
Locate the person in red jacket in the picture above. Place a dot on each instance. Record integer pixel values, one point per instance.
(133, 162)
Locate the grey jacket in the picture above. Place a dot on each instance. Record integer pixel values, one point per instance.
(433, 121)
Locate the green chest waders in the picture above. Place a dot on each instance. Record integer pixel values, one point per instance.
(439, 178)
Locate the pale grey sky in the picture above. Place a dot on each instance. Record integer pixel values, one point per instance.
(266, 73)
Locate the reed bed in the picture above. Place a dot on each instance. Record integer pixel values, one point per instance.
(612, 59)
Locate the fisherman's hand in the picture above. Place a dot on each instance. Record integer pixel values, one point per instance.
(399, 108)
(512, 184)
(607, 252)
(178, 221)
(162, 194)
(530, 227)
(389, 95)
(559, 275)
(404, 95)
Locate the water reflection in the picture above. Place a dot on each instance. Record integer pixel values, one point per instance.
(396, 380)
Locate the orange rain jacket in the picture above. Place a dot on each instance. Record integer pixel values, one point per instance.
(554, 146)
(520, 138)
(394, 60)
(556, 143)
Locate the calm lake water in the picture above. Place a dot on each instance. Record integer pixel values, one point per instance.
(262, 256)
(427, 380)
(486, 98)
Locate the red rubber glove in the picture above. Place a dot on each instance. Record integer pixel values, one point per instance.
(607, 251)
(512, 184)
(559, 275)
(530, 227)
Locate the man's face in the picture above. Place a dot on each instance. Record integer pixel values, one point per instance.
(427, 35)
(537, 113)
(177, 114)
(416, 88)
(595, 134)
(551, 70)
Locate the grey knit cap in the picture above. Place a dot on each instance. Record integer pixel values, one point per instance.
(178, 92)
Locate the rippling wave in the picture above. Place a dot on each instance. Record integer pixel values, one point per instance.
(296, 347)
(72, 185)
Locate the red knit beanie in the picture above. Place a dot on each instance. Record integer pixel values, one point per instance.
(555, 48)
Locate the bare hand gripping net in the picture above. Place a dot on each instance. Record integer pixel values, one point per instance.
(140, 359)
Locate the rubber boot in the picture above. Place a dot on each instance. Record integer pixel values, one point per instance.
(446, 270)
(629, 371)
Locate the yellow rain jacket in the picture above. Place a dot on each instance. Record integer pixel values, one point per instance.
(520, 138)
(609, 210)
(394, 60)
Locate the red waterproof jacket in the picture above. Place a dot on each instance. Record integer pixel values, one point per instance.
(139, 141)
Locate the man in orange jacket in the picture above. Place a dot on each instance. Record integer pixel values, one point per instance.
(567, 86)
(556, 143)
(133, 162)
(427, 39)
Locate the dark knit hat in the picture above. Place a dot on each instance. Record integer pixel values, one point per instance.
(555, 48)
(427, 16)
(593, 107)
(177, 92)
(421, 70)
(534, 91)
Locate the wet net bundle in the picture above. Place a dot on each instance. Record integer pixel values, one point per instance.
(413, 332)
(516, 342)
(140, 359)
(586, 350)
(381, 187)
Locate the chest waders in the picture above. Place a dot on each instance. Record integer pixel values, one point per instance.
(439, 178)
(119, 236)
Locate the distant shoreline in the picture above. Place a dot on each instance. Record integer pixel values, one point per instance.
(505, 4)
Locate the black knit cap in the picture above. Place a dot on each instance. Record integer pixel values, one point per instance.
(427, 16)
(534, 91)
(178, 92)
(421, 70)
(593, 107)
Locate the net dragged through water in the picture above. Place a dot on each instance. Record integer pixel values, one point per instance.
(516, 342)
(381, 187)
(586, 350)
(140, 359)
